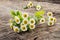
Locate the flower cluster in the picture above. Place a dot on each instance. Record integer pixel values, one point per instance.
(42, 20)
(51, 19)
(30, 5)
(22, 22)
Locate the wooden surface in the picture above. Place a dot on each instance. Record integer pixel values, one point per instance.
(42, 32)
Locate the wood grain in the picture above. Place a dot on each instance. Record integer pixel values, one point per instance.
(42, 32)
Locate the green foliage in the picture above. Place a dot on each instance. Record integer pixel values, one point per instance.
(26, 7)
(21, 19)
(15, 24)
(29, 17)
(12, 12)
(28, 27)
(39, 14)
(17, 13)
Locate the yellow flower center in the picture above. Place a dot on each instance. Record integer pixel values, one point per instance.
(30, 4)
(25, 15)
(25, 22)
(51, 19)
(50, 23)
(32, 26)
(49, 14)
(42, 20)
(16, 30)
(32, 21)
(23, 28)
(17, 20)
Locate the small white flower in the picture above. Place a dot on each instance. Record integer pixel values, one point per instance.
(17, 20)
(11, 25)
(54, 19)
(50, 23)
(23, 28)
(25, 15)
(16, 29)
(32, 26)
(49, 14)
(25, 21)
(10, 21)
(51, 18)
(38, 7)
(42, 20)
(30, 4)
(32, 21)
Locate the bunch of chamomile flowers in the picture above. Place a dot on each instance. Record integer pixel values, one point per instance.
(31, 5)
(21, 22)
(51, 20)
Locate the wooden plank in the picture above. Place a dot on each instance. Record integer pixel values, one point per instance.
(42, 32)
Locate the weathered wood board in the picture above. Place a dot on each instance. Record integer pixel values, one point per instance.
(42, 32)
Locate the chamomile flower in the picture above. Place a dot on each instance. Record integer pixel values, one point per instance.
(32, 21)
(25, 15)
(38, 7)
(10, 21)
(54, 19)
(21, 24)
(32, 26)
(11, 25)
(42, 20)
(51, 18)
(16, 29)
(50, 23)
(25, 21)
(17, 20)
(23, 28)
(30, 4)
(49, 14)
